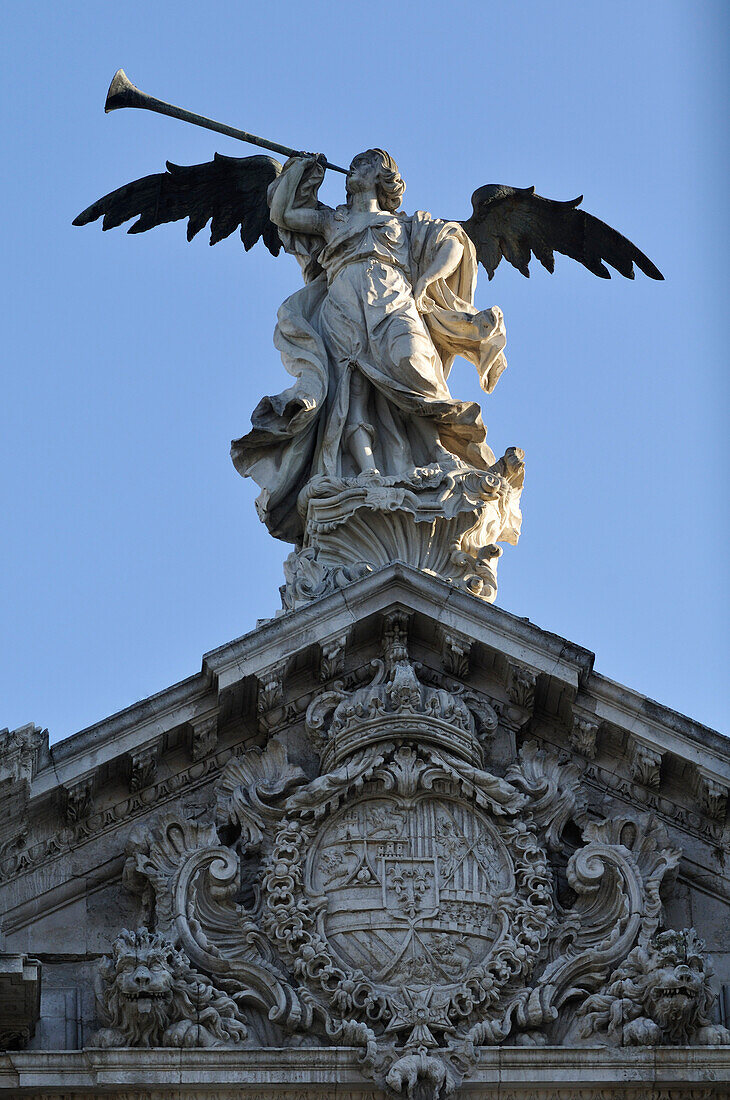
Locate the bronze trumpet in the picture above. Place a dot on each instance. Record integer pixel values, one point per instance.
(123, 93)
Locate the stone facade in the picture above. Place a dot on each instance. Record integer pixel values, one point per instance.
(395, 841)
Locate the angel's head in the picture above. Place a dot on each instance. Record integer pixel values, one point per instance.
(376, 169)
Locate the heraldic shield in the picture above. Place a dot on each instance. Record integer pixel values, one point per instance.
(413, 888)
(404, 899)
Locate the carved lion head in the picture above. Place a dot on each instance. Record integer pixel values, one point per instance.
(150, 996)
(674, 983)
(660, 994)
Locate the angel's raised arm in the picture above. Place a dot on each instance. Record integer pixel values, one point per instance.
(293, 203)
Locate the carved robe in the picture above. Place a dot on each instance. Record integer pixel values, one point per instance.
(362, 355)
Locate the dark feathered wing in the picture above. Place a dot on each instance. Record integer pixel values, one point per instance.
(228, 192)
(514, 222)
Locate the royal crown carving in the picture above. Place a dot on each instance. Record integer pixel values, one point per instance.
(407, 900)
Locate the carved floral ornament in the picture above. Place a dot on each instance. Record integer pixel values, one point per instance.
(405, 900)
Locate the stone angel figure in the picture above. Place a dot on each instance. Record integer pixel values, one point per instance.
(388, 303)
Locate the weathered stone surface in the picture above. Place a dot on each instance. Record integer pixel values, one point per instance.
(20, 751)
(442, 520)
(506, 1073)
(416, 826)
(20, 989)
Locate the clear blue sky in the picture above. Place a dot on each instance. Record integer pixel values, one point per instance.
(131, 546)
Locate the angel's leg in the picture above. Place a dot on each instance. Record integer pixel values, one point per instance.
(360, 440)
(428, 432)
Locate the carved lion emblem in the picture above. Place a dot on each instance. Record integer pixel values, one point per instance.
(151, 997)
(660, 995)
(408, 908)
(413, 887)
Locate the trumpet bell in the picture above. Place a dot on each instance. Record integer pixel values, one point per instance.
(122, 93)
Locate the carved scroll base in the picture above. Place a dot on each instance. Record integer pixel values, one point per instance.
(445, 521)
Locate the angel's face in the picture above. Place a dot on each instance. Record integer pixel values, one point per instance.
(364, 173)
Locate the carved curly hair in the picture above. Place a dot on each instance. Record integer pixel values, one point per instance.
(391, 185)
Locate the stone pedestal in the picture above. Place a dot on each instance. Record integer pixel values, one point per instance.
(443, 520)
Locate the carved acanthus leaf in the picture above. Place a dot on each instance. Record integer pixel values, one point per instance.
(617, 876)
(584, 735)
(204, 736)
(521, 685)
(554, 787)
(249, 789)
(271, 692)
(78, 799)
(645, 761)
(455, 653)
(143, 766)
(656, 860)
(712, 795)
(332, 659)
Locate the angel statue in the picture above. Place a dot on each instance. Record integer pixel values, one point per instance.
(367, 456)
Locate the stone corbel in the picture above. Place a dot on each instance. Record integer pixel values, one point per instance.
(332, 656)
(712, 794)
(19, 752)
(645, 761)
(143, 766)
(396, 624)
(203, 736)
(455, 652)
(584, 734)
(270, 702)
(78, 799)
(20, 1000)
(521, 685)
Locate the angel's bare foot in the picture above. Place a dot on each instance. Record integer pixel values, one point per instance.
(371, 474)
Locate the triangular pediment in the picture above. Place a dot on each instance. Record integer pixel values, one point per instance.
(495, 709)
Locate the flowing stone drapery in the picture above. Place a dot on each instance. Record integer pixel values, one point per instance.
(362, 354)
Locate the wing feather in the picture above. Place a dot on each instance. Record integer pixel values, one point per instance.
(228, 192)
(515, 223)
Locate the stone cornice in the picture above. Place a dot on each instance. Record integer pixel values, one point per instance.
(124, 732)
(666, 729)
(680, 1073)
(568, 667)
(517, 638)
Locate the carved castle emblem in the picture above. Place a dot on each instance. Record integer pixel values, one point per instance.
(408, 901)
(428, 878)
(403, 896)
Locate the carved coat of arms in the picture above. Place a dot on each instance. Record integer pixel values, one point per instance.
(405, 900)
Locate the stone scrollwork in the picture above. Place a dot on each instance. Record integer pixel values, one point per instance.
(248, 791)
(408, 901)
(309, 578)
(444, 519)
(554, 789)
